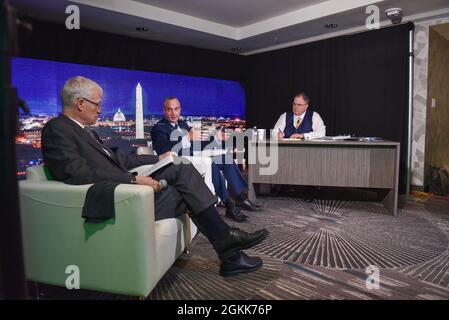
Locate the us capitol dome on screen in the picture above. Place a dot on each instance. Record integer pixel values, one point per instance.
(119, 116)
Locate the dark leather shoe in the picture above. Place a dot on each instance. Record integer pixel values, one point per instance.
(244, 264)
(221, 204)
(235, 214)
(248, 205)
(238, 240)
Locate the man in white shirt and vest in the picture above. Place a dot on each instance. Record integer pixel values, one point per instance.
(300, 123)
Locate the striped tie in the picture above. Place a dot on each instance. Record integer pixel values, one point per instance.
(97, 138)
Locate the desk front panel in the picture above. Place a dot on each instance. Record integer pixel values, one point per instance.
(340, 165)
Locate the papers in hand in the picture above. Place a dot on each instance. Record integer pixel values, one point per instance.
(209, 153)
(150, 169)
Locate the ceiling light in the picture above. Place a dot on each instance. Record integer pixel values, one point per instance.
(394, 14)
(236, 49)
(331, 26)
(142, 29)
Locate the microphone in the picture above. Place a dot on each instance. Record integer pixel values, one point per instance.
(163, 183)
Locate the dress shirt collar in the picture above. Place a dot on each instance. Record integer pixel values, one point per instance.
(301, 116)
(76, 122)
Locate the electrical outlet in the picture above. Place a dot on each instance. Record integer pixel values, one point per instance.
(434, 103)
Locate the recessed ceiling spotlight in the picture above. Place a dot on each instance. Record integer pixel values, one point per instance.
(331, 26)
(142, 29)
(236, 49)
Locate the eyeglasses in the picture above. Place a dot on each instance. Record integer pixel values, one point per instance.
(172, 110)
(98, 104)
(299, 104)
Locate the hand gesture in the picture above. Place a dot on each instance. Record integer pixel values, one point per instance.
(222, 136)
(197, 135)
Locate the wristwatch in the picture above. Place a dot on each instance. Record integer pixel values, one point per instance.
(133, 179)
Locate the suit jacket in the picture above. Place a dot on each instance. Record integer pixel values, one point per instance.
(99, 204)
(162, 131)
(74, 157)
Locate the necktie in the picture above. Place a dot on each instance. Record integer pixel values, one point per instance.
(93, 135)
(97, 138)
(298, 122)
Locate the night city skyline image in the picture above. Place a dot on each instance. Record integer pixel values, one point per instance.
(214, 102)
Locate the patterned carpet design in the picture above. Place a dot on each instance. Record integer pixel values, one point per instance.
(319, 249)
(350, 237)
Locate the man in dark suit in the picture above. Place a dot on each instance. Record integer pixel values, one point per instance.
(75, 155)
(170, 132)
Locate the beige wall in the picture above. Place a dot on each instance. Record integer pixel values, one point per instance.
(421, 48)
(437, 119)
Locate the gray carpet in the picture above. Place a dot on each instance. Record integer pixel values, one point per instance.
(319, 250)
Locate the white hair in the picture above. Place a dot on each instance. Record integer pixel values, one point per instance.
(77, 87)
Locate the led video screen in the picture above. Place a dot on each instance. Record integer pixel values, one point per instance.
(214, 102)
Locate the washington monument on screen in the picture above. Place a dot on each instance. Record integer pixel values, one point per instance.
(139, 112)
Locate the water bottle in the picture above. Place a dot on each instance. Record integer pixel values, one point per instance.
(255, 133)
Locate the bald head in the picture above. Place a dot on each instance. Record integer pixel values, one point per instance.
(172, 109)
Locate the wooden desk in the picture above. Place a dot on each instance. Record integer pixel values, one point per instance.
(336, 164)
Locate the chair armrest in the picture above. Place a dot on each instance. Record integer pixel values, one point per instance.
(204, 167)
(199, 161)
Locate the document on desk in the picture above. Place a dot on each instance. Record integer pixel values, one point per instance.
(319, 140)
(335, 138)
(149, 170)
(369, 139)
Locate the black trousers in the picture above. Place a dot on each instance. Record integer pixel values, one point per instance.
(186, 190)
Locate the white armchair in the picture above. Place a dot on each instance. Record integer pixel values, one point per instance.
(127, 255)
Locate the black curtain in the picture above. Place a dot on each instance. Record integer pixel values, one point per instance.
(357, 83)
(50, 41)
(12, 269)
